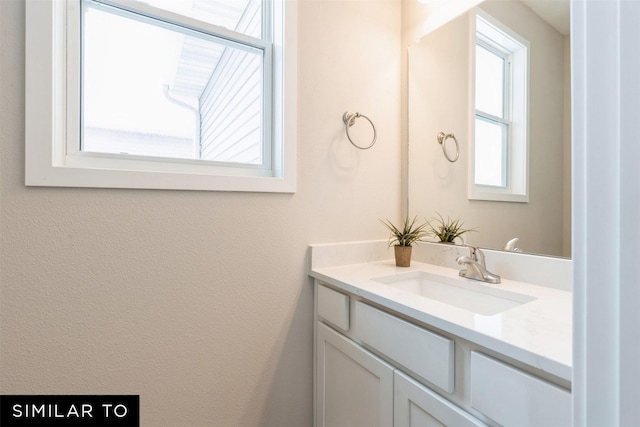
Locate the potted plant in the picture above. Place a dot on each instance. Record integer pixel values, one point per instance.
(446, 231)
(403, 237)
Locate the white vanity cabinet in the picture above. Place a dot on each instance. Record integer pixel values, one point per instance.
(376, 368)
(356, 388)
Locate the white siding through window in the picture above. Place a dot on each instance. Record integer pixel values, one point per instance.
(232, 131)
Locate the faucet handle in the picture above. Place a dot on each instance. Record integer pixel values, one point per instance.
(476, 254)
(472, 252)
(480, 257)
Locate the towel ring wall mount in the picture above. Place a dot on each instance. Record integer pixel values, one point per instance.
(442, 139)
(349, 120)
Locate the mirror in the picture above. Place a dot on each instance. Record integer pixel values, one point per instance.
(440, 82)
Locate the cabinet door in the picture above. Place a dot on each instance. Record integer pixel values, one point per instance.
(354, 388)
(417, 406)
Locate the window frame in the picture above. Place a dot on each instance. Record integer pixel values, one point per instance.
(52, 113)
(504, 42)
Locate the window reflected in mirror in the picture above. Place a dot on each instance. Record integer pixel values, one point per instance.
(501, 109)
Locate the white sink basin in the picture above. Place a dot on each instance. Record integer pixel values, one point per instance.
(462, 293)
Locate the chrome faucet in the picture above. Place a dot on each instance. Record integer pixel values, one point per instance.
(476, 268)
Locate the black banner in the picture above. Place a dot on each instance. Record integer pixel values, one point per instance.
(70, 410)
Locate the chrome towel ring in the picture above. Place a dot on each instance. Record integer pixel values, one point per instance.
(442, 139)
(349, 119)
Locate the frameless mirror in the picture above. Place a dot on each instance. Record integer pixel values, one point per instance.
(441, 98)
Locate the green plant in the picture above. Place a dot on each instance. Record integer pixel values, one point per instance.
(408, 233)
(447, 230)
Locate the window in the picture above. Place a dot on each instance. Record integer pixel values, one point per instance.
(492, 122)
(173, 94)
(499, 147)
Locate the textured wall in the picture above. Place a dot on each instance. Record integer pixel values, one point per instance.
(197, 301)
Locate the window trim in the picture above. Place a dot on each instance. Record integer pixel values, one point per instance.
(517, 188)
(46, 117)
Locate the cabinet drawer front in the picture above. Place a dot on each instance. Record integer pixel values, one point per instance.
(426, 354)
(416, 405)
(333, 307)
(512, 397)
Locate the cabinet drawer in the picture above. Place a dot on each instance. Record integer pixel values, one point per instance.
(333, 307)
(426, 354)
(512, 397)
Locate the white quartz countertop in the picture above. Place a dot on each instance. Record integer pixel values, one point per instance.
(537, 333)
